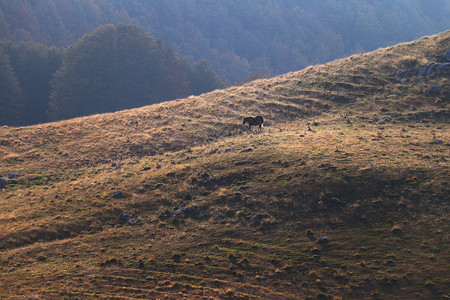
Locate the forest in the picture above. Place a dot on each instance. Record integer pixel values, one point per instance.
(237, 37)
(111, 68)
(233, 41)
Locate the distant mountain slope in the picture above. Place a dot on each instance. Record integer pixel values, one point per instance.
(236, 37)
(357, 86)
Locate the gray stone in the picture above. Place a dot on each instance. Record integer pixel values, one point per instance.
(124, 217)
(433, 89)
(422, 71)
(254, 217)
(212, 152)
(447, 55)
(135, 221)
(430, 70)
(118, 194)
(437, 142)
(323, 241)
(259, 217)
(190, 210)
(242, 162)
(443, 68)
(3, 183)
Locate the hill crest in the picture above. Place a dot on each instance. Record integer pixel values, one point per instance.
(361, 84)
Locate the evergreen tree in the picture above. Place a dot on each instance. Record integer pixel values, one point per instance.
(12, 101)
(34, 65)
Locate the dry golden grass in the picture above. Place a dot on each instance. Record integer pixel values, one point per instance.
(376, 192)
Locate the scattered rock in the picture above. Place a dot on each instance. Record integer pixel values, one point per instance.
(387, 119)
(254, 218)
(134, 221)
(124, 217)
(428, 70)
(323, 241)
(375, 119)
(259, 217)
(176, 214)
(13, 175)
(118, 194)
(202, 216)
(214, 151)
(242, 162)
(433, 89)
(192, 211)
(247, 150)
(227, 150)
(442, 68)
(244, 187)
(437, 142)
(3, 183)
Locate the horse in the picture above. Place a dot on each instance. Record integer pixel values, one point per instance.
(256, 121)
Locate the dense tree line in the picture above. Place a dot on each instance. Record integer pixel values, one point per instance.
(111, 68)
(237, 37)
(26, 71)
(11, 97)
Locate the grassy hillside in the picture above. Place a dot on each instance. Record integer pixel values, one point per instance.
(326, 202)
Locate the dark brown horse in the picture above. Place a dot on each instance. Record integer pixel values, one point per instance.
(256, 121)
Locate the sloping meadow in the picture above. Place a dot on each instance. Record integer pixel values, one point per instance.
(344, 194)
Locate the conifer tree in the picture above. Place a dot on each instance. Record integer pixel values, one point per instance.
(12, 101)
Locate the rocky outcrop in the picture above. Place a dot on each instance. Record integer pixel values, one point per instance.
(439, 68)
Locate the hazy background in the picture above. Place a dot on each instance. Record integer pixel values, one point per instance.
(228, 40)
